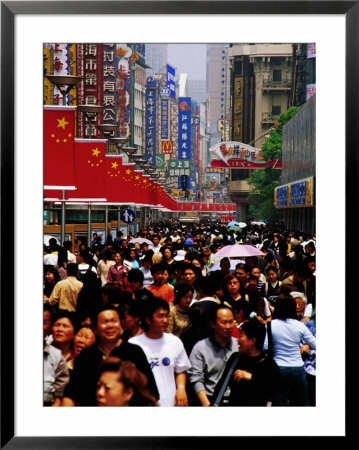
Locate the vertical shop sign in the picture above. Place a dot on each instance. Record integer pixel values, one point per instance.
(164, 118)
(150, 111)
(123, 54)
(171, 80)
(109, 84)
(184, 128)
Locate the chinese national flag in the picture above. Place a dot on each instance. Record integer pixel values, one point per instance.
(138, 192)
(59, 134)
(127, 183)
(145, 190)
(113, 178)
(89, 170)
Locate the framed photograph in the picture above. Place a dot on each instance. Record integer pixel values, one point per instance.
(25, 27)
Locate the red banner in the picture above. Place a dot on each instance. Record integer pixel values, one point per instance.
(90, 157)
(59, 134)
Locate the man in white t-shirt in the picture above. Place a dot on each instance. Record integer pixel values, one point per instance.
(165, 354)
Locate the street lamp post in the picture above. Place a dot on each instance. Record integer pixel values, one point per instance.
(64, 83)
(90, 112)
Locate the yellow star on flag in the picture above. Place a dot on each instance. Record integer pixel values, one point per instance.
(95, 152)
(114, 165)
(62, 123)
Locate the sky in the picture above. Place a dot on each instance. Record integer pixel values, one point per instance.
(188, 58)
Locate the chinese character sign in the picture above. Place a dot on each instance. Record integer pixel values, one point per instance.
(184, 128)
(164, 118)
(109, 83)
(171, 80)
(150, 111)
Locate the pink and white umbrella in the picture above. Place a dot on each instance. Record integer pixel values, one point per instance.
(140, 241)
(239, 251)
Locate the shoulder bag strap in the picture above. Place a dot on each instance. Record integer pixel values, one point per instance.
(226, 380)
(270, 343)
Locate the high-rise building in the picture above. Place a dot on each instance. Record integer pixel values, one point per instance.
(156, 58)
(197, 90)
(261, 87)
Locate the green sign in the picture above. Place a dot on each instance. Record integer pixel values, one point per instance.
(160, 161)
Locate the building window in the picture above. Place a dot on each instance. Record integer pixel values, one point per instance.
(277, 75)
(276, 110)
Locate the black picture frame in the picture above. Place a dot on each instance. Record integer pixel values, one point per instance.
(9, 10)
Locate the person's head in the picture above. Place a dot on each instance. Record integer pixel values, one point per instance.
(256, 271)
(68, 245)
(285, 308)
(157, 258)
(251, 336)
(242, 272)
(206, 287)
(183, 295)
(155, 316)
(300, 301)
(231, 285)
(253, 280)
(118, 258)
(130, 316)
(191, 273)
(225, 264)
(64, 328)
(107, 325)
(242, 310)
(268, 258)
(301, 272)
(272, 274)
(157, 273)
(48, 320)
(62, 257)
(167, 253)
(135, 279)
(118, 381)
(222, 322)
(84, 257)
(155, 240)
(72, 270)
(51, 275)
(252, 261)
(310, 262)
(85, 337)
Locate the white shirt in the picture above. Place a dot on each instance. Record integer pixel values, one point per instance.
(166, 357)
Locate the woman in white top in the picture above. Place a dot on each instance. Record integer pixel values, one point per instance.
(104, 265)
(288, 334)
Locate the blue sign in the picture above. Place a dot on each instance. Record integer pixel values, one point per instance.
(171, 80)
(128, 216)
(150, 112)
(164, 119)
(184, 128)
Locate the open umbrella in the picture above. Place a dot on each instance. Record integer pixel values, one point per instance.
(239, 251)
(236, 226)
(140, 241)
(233, 262)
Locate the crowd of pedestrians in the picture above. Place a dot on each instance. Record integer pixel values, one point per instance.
(149, 320)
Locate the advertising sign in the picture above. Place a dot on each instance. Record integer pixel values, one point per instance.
(184, 128)
(109, 83)
(171, 80)
(167, 147)
(297, 194)
(164, 118)
(240, 156)
(150, 111)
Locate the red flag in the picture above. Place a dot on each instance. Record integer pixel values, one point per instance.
(113, 179)
(89, 170)
(146, 190)
(127, 188)
(59, 134)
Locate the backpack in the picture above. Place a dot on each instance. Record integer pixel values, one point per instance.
(83, 272)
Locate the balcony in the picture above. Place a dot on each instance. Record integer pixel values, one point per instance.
(270, 85)
(269, 118)
(240, 186)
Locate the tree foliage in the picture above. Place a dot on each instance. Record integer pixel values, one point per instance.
(264, 181)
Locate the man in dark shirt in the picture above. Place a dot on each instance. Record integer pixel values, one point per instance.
(81, 391)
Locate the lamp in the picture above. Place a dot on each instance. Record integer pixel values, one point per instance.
(64, 80)
(90, 112)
